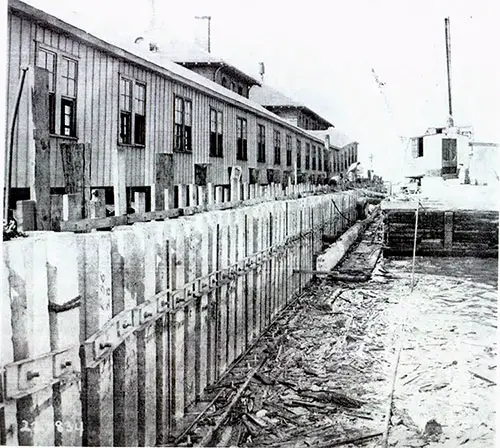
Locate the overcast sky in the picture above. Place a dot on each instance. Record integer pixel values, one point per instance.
(322, 52)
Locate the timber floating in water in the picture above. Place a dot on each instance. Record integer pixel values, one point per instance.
(443, 230)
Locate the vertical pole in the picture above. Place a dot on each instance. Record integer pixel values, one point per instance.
(11, 142)
(448, 66)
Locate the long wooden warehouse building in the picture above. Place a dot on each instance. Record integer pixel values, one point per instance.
(148, 123)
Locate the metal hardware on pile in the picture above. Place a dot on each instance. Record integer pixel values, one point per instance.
(33, 374)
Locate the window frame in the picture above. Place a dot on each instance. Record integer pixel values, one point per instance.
(58, 95)
(277, 147)
(216, 143)
(261, 143)
(307, 164)
(241, 139)
(298, 159)
(132, 115)
(186, 129)
(288, 145)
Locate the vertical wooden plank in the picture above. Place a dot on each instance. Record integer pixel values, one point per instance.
(26, 215)
(139, 202)
(210, 245)
(40, 106)
(192, 242)
(27, 289)
(448, 230)
(265, 281)
(249, 279)
(240, 335)
(63, 289)
(175, 234)
(222, 263)
(8, 419)
(162, 285)
(146, 338)
(97, 380)
(231, 289)
(76, 166)
(257, 295)
(127, 292)
(200, 257)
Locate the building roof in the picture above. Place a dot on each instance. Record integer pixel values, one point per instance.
(191, 55)
(153, 61)
(337, 139)
(269, 97)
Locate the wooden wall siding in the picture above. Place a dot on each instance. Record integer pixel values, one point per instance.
(98, 118)
(19, 54)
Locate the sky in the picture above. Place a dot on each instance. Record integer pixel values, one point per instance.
(321, 53)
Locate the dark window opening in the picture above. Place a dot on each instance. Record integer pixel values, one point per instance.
(241, 139)
(288, 150)
(215, 133)
(140, 114)
(182, 125)
(308, 155)
(277, 147)
(125, 127)
(261, 144)
(299, 154)
(313, 157)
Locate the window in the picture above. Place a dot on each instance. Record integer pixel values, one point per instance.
(299, 154)
(241, 139)
(132, 112)
(313, 156)
(215, 133)
(68, 98)
(308, 154)
(261, 143)
(325, 160)
(240, 90)
(62, 90)
(277, 147)
(183, 125)
(288, 150)
(140, 114)
(320, 161)
(125, 111)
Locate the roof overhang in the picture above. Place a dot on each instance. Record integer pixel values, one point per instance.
(221, 64)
